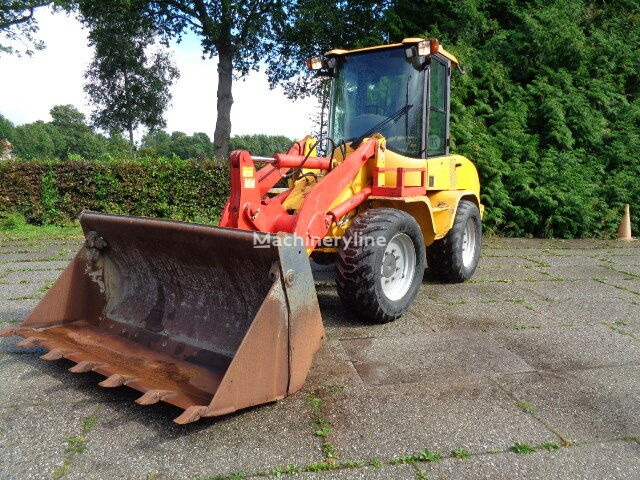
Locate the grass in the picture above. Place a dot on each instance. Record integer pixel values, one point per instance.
(423, 456)
(461, 453)
(549, 446)
(526, 407)
(520, 447)
(14, 228)
(76, 445)
(322, 426)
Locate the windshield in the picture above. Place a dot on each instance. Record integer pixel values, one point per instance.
(383, 90)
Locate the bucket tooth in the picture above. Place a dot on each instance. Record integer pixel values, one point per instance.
(30, 342)
(55, 354)
(84, 366)
(8, 332)
(191, 414)
(116, 380)
(154, 396)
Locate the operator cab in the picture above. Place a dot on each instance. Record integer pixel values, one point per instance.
(400, 91)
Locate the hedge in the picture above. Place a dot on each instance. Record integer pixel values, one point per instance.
(55, 192)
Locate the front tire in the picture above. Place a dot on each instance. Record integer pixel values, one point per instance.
(381, 264)
(455, 257)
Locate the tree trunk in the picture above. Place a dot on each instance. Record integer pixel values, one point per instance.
(225, 100)
(131, 144)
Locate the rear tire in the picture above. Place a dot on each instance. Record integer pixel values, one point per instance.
(455, 257)
(381, 264)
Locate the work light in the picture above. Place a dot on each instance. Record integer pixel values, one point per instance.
(315, 63)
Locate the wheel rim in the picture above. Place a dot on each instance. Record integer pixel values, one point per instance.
(398, 266)
(469, 241)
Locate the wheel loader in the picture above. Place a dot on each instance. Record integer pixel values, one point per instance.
(217, 319)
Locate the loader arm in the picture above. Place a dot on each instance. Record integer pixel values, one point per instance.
(250, 209)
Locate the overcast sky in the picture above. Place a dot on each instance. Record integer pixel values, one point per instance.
(30, 86)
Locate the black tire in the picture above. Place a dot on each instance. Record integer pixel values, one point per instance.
(445, 257)
(360, 264)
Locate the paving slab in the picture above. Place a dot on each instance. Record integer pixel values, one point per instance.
(582, 289)
(472, 292)
(33, 439)
(569, 347)
(332, 367)
(386, 472)
(447, 375)
(596, 404)
(480, 315)
(25, 380)
(16, 310)
(134, 441)
(500, 274)
(586, 273)
(565, 260)
(630, 269)
(18, 291)
(32, 276)
(342, 323)
(631, 259)
(506, 262)
(33, 265)
(437, 357)
(587, 311)
(390, 421)
(601, 461)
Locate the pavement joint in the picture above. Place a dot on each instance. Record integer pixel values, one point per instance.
(520, 403)
(76, 445)
(416, 460)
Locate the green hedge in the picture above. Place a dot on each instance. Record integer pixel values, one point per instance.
(56, 192)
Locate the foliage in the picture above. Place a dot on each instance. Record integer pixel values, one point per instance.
(549, 108)
(261, 145)
(68, 137)
(18, 26)
(55, 192)
(7, 129)
(317, 27)
(127, 83)
(239, 33)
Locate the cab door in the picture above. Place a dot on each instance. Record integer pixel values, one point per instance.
(437, 132)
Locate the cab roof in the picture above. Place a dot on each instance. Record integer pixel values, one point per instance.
(407, 42)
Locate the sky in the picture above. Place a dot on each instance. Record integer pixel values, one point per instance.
(55, 76)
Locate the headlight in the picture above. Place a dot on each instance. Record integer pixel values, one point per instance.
(315, 63)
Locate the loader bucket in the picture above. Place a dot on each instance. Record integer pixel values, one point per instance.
(188, 314)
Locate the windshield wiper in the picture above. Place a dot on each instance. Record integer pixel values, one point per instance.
(389, 120)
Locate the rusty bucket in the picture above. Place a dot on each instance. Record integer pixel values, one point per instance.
(209, 319)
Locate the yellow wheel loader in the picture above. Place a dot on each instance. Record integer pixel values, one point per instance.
(216, 319)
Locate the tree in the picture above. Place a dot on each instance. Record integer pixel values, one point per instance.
(261, 145)
(33, 142)
(549, 109)
(128, 83)
(239, 33)
(243, 34)
(197, 146)
(316, 27)
(7, 129)
(72, 136)
(17, 24)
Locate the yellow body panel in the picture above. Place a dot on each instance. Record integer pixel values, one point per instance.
(449, 179)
